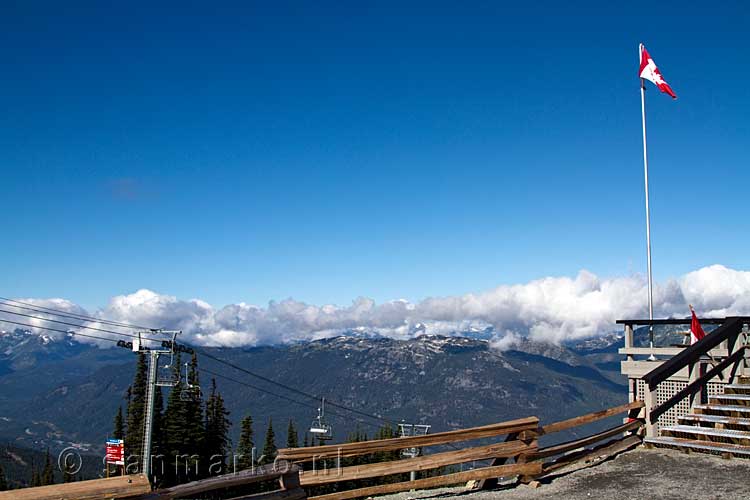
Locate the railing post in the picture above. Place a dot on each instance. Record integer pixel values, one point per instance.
(694, 373)
(629, 339)
(742, 340)
(650, 401)
(632, 382)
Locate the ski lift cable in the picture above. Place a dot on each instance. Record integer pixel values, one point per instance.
(59, 312)
(289, 388)
(58, 330)
(41, 318)
(197, 349)
(286, 398)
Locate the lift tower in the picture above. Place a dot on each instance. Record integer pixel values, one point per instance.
(166, 376)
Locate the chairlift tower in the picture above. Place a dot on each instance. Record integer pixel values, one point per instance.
(155, 378)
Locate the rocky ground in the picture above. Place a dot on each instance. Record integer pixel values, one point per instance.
(636, 475)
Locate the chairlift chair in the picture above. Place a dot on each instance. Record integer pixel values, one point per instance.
(190, 392)
(411, 430)
(166, 373)
(319, 427)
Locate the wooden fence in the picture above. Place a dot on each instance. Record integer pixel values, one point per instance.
(517, 455)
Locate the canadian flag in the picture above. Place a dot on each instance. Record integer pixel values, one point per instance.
(696, 330)
(650, 72)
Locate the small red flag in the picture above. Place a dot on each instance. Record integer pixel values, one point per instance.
(696, 330)
(650, 72)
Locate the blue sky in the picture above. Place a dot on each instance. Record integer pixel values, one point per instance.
(256, 151)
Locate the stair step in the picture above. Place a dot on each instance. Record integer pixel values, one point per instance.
(743, 399)
(704, 446)
(745, 388)
(715, 419)
(723, 408)
(708, 432)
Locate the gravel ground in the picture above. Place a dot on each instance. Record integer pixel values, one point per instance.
(638, 474)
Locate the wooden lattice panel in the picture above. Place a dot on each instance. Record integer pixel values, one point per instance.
(669, 388)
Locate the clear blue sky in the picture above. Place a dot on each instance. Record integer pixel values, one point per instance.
(256, 151)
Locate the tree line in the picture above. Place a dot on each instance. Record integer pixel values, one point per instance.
(190, 439)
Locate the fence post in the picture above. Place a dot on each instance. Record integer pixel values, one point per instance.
(694, 373)
(649, 400)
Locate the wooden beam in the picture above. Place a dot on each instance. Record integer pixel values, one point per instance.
(512, 448)
(671, 321)
(590, 417)
(530, 469)
(112, 487)
(294, 494)
(486, 484)
(580, 443)
(374, 446)
(248, 476)
(589, 457)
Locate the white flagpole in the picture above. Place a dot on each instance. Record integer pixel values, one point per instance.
(648, 220)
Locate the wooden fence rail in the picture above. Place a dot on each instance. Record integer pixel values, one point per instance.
(112, 487)
(426, 462)
(286, 473)
(532, 468)
(366, 447)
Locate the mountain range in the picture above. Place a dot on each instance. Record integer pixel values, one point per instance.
(58, 392)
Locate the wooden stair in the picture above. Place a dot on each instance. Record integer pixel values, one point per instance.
(721, 427)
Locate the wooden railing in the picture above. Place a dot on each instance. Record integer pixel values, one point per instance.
(517, 455)
(287, 474)
(730, 334)
(110, 488)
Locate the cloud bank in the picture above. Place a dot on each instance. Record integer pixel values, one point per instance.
(552, 309)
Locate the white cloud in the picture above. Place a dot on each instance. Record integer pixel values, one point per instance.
(552, 309)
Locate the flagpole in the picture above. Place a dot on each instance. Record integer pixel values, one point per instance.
(648, 226)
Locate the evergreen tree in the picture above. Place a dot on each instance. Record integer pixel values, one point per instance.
(118, 431)
(48, 473)
(194, 428)
(35, 479)
(217, 442)
(158, 463)
(246, 444)
(3, 481)
(174, 436)
(136, 409)
(69, 474)
(269, 446)
(292, 439)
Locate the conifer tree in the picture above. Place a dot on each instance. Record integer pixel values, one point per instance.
(245, 445)
(35, 479)
(292, 439)
(269, 446)
(118, 431)
(158, 463)
(69, 474)
(194, 428)
(136, 409)
(48, 475)
(217, 442)
(3, 481)
(173, 428)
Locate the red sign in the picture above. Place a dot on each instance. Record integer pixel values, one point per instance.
(115, 452)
